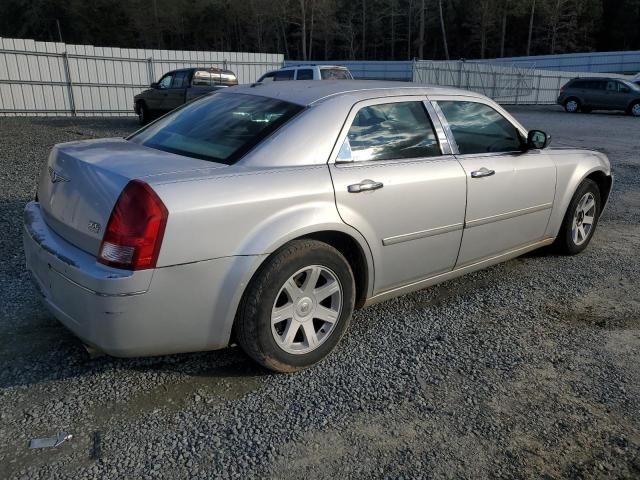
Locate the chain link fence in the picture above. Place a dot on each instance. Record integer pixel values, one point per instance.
(505, 84)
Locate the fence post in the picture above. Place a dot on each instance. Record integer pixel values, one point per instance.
(538, 90)
(67, 73)
(495, 83)
(459, 73)
(150, 69)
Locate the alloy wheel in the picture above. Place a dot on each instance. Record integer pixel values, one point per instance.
(572, 106)
(583, 219)
(306, 309)
(635, 110)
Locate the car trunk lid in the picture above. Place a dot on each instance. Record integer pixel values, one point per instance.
(82, 181)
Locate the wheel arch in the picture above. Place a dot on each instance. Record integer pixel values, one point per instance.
(631, 104)
(604, 183)
(350, 244)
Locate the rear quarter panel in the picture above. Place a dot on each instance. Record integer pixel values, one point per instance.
(247, 212)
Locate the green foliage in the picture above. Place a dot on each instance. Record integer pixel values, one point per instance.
(326, 29)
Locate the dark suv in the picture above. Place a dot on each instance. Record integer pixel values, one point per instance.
(587, 94)
(178, 87)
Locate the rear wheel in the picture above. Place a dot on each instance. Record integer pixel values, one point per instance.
(297, 307)
(572, 105)
(634, 109)
(581, 219)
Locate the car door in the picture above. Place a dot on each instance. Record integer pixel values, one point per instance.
(176, 93)
(510, 192)
(155, 97)
(595, 95)
(620, 95)
(398, 184)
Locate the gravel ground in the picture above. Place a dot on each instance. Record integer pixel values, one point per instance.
(529, 369)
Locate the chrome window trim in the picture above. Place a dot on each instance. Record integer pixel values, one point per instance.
(446, 127)
(439, 127)
(356, 107)
(434, 99)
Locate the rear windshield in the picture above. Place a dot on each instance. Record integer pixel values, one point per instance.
(219, 128)
(335, 74)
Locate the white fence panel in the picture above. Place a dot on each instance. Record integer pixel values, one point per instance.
(508, 85)
(44, 78)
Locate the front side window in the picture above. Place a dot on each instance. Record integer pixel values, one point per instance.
(390, 131)
(218, 128)
(335, 74)
(282, 75)
(305, 74)
(268, 77)
(165, 82)
(478, 128)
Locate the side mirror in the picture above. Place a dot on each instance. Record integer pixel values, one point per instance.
(537, 139)
(154, 85)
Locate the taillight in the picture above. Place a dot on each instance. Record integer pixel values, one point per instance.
(134, 233)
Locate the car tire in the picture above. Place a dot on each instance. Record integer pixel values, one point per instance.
(144, 116)
(575, 232)
(280, 320)
(634, 109)
(572, 105)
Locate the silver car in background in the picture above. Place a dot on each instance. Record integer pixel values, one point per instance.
(265, 214)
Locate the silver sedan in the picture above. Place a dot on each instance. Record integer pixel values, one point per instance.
(265, 214)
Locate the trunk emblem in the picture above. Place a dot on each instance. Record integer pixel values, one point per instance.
(56, 177)
(94, 227)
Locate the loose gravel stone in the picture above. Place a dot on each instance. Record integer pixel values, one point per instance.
(529, 369)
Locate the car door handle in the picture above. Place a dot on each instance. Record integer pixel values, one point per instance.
(483, 172)
(364, 186)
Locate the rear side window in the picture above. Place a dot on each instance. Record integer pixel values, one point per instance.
(391, 131)
(282, 75)
(180, 80)
(305, 74)
(219, 128)
(478, 128)
(335, 74)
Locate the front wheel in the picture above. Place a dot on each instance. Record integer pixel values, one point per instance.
(143, 114)
(634, 110)
(297, 307)
(581, 219)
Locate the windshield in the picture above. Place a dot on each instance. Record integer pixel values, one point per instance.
(219, 128)
(631, 85)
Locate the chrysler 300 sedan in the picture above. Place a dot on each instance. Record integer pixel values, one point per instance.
(263, 215)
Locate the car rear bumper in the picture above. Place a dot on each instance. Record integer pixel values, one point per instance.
(181, 308)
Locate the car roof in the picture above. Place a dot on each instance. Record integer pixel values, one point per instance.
(303, 65)
(595, 78)
(193, 69)
(309, 92)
